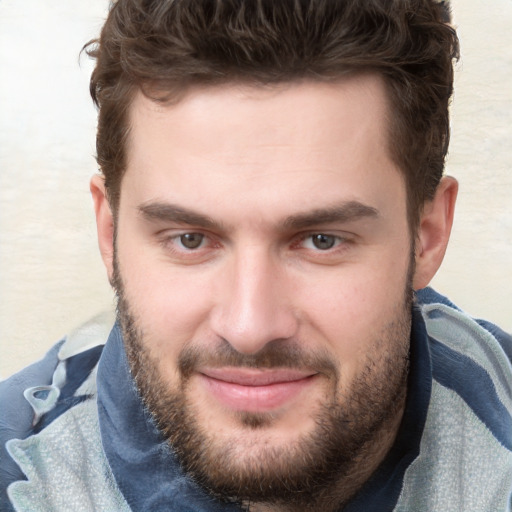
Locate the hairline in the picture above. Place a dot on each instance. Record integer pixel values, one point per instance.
(174, 93)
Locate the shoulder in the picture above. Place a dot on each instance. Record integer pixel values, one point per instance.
(26, 396)
(465, 457)
(471, 357)
(471, 369)
(33, 398)
(450, 325)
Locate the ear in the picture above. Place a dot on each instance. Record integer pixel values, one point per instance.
(434, 232)
(104, 223)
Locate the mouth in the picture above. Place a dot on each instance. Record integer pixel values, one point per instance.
(254, 390)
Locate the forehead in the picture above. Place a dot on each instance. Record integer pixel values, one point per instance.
(236, 108)
(257, 145)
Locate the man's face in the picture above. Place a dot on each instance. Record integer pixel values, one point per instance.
(263, 265)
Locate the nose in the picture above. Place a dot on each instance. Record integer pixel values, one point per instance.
(253, 305)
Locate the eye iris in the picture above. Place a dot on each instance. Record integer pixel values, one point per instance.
(191, 240)
(321, 241)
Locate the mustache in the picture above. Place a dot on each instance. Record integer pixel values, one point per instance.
(276, 354)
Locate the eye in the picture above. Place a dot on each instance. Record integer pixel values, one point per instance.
(191, 240)
(321, 241)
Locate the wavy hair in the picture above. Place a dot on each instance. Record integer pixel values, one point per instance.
(163, 47)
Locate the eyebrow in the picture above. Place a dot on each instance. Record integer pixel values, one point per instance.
(172, 213)
(346, 212)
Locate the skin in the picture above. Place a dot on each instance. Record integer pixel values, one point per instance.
(255, 172)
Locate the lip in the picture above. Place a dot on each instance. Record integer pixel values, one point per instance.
(253, 390)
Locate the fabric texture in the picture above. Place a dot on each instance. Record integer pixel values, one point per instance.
(74, 434)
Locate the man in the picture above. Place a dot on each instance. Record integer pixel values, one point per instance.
(270, 212)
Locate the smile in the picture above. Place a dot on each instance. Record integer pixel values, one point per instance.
(255, 390)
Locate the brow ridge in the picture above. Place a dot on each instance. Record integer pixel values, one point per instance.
(346, 212)
(168, 212)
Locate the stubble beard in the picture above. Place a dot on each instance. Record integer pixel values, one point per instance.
(314, 470)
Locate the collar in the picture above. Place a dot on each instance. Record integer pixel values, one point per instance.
(382, 490)
(143, 465)
(150, 478)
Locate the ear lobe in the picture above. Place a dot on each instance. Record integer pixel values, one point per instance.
(104, 223)
(434, 232)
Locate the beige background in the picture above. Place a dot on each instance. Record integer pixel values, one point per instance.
(51, 277)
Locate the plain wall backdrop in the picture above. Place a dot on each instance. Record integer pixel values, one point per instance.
(51, 275)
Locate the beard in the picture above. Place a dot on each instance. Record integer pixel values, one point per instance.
(310, 469)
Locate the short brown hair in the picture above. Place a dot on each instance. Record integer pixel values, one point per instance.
(170, 45)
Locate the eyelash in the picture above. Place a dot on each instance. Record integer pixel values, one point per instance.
(174, 245)
(170, 242)
(336, 239)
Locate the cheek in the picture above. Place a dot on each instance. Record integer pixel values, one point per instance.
(171, 300)
(352, 307)
(170, 307)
